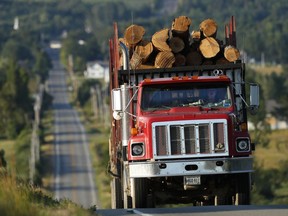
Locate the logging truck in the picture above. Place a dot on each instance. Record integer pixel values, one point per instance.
(171, 141)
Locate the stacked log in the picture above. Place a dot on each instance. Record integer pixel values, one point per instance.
(134, 34)
(164, 59)
(194, 58)
(141, 54)
(209, 47)
(181, 24)
(175, 46)
(208, 27)
(180, 60)
(160, 39)
(231, 53)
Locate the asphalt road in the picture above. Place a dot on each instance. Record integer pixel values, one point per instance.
(201, 211)
(73, 177)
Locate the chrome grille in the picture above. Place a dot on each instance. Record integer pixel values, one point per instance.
(190, 138)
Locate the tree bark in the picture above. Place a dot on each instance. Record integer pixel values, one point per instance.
(222, 60)
(146, 66)
(180, 60)
(194, 58)
(176, 44)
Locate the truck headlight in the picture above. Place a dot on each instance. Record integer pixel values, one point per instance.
(243, 145)
(137, 149)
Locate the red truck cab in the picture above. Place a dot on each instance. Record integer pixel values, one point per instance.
(180, 99)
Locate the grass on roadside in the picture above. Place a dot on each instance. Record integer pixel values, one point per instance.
(20, 198)
(275, 153)
(99, 147)
(271, 165)
(17, 196)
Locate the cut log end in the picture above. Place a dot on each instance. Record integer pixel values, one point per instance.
(144, 49)
(164, 59)
(231, 53)
(208, 27)
(135, 61)
(181, 24)
(180, 60)
(196, 35)
(159, 40)
(176, 44)
(134, 34)
(209, 47)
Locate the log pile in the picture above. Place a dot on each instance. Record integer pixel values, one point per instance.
(176, 46)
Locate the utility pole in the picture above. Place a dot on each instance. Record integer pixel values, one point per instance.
(71, 73)
(35, 143)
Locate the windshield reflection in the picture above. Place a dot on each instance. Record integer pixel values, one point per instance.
(186, 94)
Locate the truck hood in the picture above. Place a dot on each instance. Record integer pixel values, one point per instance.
(186, 113)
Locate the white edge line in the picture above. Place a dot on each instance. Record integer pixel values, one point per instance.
(88, 161)
(58, 168)
(141, 213)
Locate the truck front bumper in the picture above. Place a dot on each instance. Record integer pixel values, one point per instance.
(190, 167)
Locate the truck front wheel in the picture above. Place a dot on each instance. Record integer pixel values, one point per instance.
(116, 194)
(242, 194)
(140, 193)
(222, 200)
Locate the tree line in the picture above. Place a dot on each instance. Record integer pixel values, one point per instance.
(24, 64)
(261, 25)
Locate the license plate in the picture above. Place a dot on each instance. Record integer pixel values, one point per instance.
(192, 180)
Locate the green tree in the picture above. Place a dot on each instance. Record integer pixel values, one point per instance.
(15, 50)
(83, 94)
(15, 103)
(262, 128)
(42, 65)
(82, 47)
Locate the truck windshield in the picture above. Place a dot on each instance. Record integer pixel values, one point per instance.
(185, 94)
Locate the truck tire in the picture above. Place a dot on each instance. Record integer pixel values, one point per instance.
(242, 195)
(222, 200)
(127, 200)
(140, 193)
(116, 194)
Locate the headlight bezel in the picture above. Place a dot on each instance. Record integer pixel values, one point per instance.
(243, 144)
(137, 147)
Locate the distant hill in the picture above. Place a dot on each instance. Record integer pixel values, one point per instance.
(262, 26)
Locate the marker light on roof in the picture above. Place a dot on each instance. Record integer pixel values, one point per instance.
(147, 80)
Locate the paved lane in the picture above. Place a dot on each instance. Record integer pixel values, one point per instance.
(73, 169)
(279, 210)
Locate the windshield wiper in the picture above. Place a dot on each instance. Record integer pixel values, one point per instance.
(159, 107)
(223, 103)
(199, 102)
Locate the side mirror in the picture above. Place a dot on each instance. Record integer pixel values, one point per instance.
(116, 100)
(254, 98)
(117, 104)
